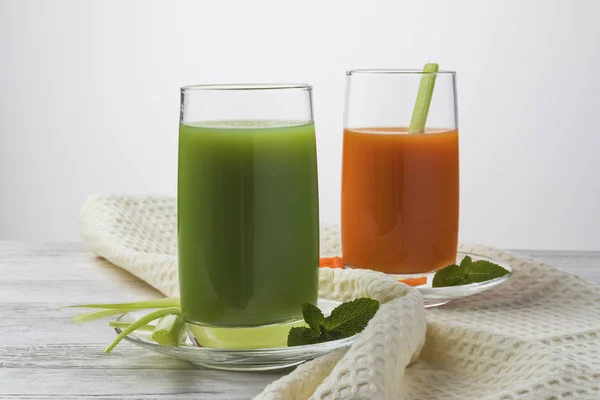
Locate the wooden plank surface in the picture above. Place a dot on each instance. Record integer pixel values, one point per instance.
(44, 356)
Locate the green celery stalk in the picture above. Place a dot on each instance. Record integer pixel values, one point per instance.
(138, 305)
(419, 116)
(94, 315)
(141, 322)
(124, 325)
(169, 331)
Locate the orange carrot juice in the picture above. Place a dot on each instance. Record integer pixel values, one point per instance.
(400, 199)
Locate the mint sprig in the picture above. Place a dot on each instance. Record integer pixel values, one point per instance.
(313, 316)
(351, 317)
(300, 336)
(467, 272)
(346, 320)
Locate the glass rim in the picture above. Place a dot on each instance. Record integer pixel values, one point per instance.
(397, 72)
(246, 86)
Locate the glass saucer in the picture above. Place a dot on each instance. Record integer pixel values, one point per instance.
(262, 359)
(434, 297)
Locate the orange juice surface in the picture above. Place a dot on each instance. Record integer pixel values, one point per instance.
(400, 199)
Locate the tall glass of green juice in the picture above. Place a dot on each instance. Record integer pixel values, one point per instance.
(248, 229)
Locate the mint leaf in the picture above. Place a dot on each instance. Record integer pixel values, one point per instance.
(465, 262)
(351, 317)
(482, 270)
(452, 275)
(313, 317)
(328, 336)
(299, 336)
(468, 271)
(345, 320)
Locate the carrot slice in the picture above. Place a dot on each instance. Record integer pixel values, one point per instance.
(326, 261)
(421, 280)
(331, 262)
(337, 263)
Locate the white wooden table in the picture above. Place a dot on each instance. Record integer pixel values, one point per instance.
(44, 356)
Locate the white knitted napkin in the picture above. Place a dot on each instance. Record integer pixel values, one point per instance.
(537, 336)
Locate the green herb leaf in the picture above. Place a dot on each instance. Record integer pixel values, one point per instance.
(313, 317)
(452, 275)
(299, 336)
(328, 336)
(482, 270)
(345, 320)
(467, 272)
(351, 317)
(465, 262)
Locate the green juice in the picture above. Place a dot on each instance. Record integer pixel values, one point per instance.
(248, 225)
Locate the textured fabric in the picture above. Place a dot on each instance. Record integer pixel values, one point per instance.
(537, 336)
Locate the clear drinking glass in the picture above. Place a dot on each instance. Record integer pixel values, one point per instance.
(400, 190)
(248, 228)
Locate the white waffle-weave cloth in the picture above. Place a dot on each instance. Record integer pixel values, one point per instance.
(535, 337)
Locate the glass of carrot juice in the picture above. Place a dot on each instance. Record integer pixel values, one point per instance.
(400, 175)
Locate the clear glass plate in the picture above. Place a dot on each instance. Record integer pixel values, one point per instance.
(282, 357)
(240, 359)
(434, 297)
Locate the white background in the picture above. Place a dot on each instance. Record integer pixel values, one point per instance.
(89, 99)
